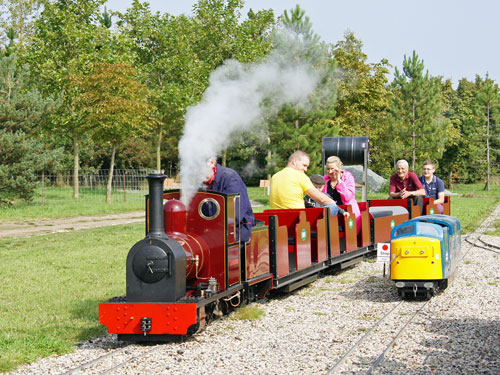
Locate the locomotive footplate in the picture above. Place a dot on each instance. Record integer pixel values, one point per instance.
(296, 277)
(152, 318)
(157, 319)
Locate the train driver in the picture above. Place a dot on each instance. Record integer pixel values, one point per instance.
(290, 185)
(228, 181)
(405, 184)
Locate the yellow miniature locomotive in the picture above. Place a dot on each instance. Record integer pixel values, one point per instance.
(424, 254)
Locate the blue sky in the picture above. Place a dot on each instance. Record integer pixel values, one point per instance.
(455, 38)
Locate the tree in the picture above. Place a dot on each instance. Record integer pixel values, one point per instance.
(418, 127)
(20, 158)
(114, 105)
(363, 99)
(22, 108)
(450, 160)
(303, 126)
(67, 40)
(22, 152)
(472, 106)
(16, 18)
(167, 65)
(488, 109)
(175, 55)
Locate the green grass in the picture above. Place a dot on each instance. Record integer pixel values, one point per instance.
(471, 205)
(475, 190)
(318, 313)
(258, 194)
(60, 203)
(472, 210)
(52, 287)
(249, 312)
(496, 231)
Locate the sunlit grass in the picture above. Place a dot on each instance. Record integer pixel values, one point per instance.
(60, 203)
(472, 210)
(55, 283)
(496, 230)
(470, 206)
(249, 312)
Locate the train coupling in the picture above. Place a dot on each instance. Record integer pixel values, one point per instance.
(146, 325)
(418, 288)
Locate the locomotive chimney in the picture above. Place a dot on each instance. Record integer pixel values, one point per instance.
(155, 182)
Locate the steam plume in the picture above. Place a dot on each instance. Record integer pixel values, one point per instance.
(233, 103)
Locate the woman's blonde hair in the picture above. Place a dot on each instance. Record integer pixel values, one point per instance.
(335, 160)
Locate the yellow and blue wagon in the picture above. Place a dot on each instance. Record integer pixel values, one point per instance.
(425, 252)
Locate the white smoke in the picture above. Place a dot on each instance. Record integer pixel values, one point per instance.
(233, 103)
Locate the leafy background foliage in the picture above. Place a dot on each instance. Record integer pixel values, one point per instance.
(64, 66)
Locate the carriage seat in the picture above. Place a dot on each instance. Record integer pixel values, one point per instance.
(385, 211)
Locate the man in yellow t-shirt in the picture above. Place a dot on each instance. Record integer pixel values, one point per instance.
(290, 185)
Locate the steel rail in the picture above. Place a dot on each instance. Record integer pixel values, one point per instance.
(102, 357)
(130, 360)
(362, 339)
(391, 344)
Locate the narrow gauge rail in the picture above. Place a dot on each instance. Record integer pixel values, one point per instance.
(480, 231)
(98, 367)
(351, 353)
(487, 246)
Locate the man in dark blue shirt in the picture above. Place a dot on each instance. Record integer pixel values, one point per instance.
(433, 185)
(228, 181)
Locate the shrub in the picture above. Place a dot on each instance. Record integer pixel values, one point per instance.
(21, 157)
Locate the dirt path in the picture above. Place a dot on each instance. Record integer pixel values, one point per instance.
(36, 227)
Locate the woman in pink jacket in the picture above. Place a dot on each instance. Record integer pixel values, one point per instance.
(341, 187)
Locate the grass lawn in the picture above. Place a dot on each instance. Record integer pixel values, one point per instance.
(496, 231)
(52, 287)
(60, 203)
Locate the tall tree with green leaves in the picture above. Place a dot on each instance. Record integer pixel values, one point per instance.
(16, 18)
(488, 109)
(418, 128)
(168, 67)
(22, 107)
(67, 40)
(363, 98)
(220, 34)
(303, 127)
(22, 150)
(449, 162)
(114, 105)
(21, 158)
(175, 55)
